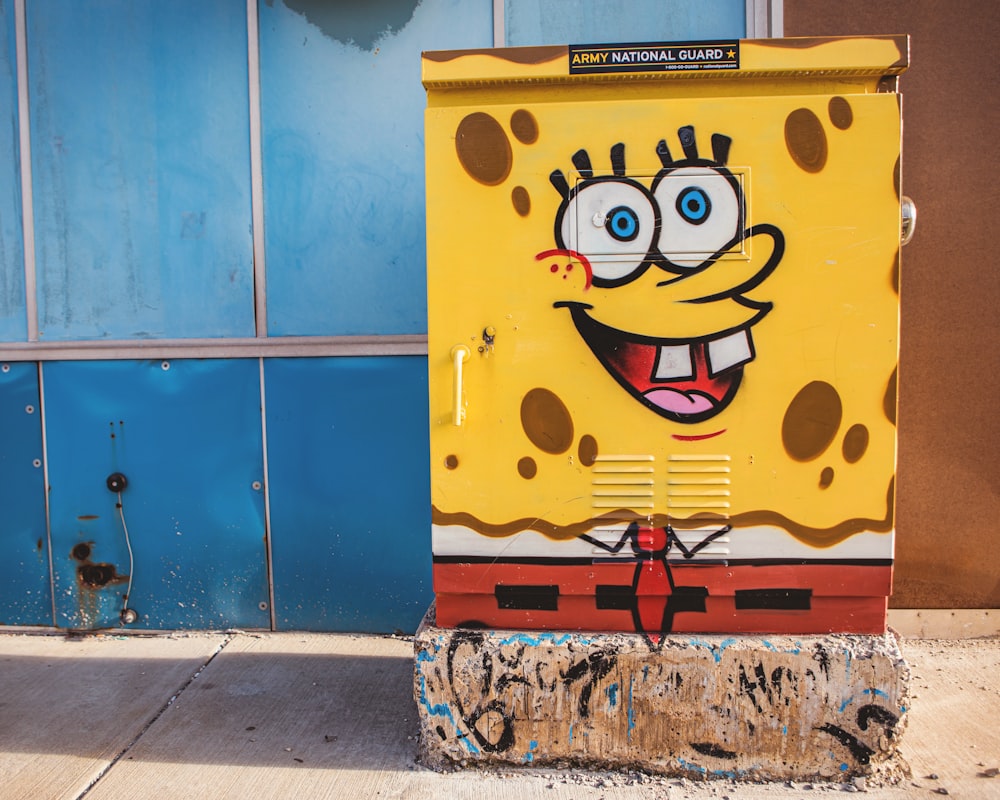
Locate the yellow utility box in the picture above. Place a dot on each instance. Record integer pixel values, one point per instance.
(663, 318)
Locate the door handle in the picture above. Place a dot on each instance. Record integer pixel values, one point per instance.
(459, 353)
(908, 213)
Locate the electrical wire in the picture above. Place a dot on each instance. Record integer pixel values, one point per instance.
(131, 560)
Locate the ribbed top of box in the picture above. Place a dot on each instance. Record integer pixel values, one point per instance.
(853, 58)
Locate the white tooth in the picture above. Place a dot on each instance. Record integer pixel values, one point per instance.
(729, 351)
(673, 362)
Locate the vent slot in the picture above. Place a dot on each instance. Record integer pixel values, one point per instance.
(692, 540)
(698, 483)
(612, 538)
(623, 481)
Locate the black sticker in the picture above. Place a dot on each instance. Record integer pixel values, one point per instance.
(586, 59)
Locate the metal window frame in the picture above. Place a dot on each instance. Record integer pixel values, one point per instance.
(256, 170)
(765, 19)
(265, 347)
(27, 196)
(261, 345)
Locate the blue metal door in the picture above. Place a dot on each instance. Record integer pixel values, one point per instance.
(186, 533)
(25, 596)
(350, 516)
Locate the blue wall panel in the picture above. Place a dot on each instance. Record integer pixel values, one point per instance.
(187, 436)
(342, 116)
(535, 22)
(25, 593)
(140, 159)
(13, 323)
(349, 492)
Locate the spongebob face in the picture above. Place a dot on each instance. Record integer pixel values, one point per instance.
(690, 216)
(662, 319)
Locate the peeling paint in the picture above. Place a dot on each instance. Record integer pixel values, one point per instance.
(355, 23)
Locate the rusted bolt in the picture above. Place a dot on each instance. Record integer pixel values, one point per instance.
(96, 575)
(82, 551)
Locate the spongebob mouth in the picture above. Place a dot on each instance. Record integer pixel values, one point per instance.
(683, 380)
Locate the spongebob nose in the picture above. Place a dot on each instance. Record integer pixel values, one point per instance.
(743, 272)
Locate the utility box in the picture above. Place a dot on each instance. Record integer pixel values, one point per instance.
(662, 336)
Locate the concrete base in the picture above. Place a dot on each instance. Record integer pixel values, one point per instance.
(788, 708)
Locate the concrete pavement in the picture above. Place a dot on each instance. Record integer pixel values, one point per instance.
(300, 715)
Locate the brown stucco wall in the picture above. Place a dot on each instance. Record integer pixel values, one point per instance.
(948, 487)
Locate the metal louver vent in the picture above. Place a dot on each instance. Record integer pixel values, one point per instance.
(698, 486)
(623, 481)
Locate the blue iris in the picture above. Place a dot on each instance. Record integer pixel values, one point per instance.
(693, 205)
(622, 223)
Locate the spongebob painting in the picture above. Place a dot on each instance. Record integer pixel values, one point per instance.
(663, 316)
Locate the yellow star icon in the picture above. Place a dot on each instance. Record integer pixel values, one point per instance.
(731, 54)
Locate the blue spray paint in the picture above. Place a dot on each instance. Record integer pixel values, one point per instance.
(731, 774)
(546, 638)
(530, 755)
(612, 692)
(631, 708)
(691, 767)
(443, 710)
(716, 651)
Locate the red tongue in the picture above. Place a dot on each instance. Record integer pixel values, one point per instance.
(636, 362)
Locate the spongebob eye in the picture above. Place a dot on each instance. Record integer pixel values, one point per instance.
(623, 224)
(693, 205)
(612, 221)
(702, 214)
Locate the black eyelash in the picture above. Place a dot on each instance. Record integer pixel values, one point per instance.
(688, 142)
(618, 160)
(720, 148)
(582, 163)
(664, 153)
(558, 180)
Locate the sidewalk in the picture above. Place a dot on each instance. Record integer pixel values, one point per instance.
(300, 715)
